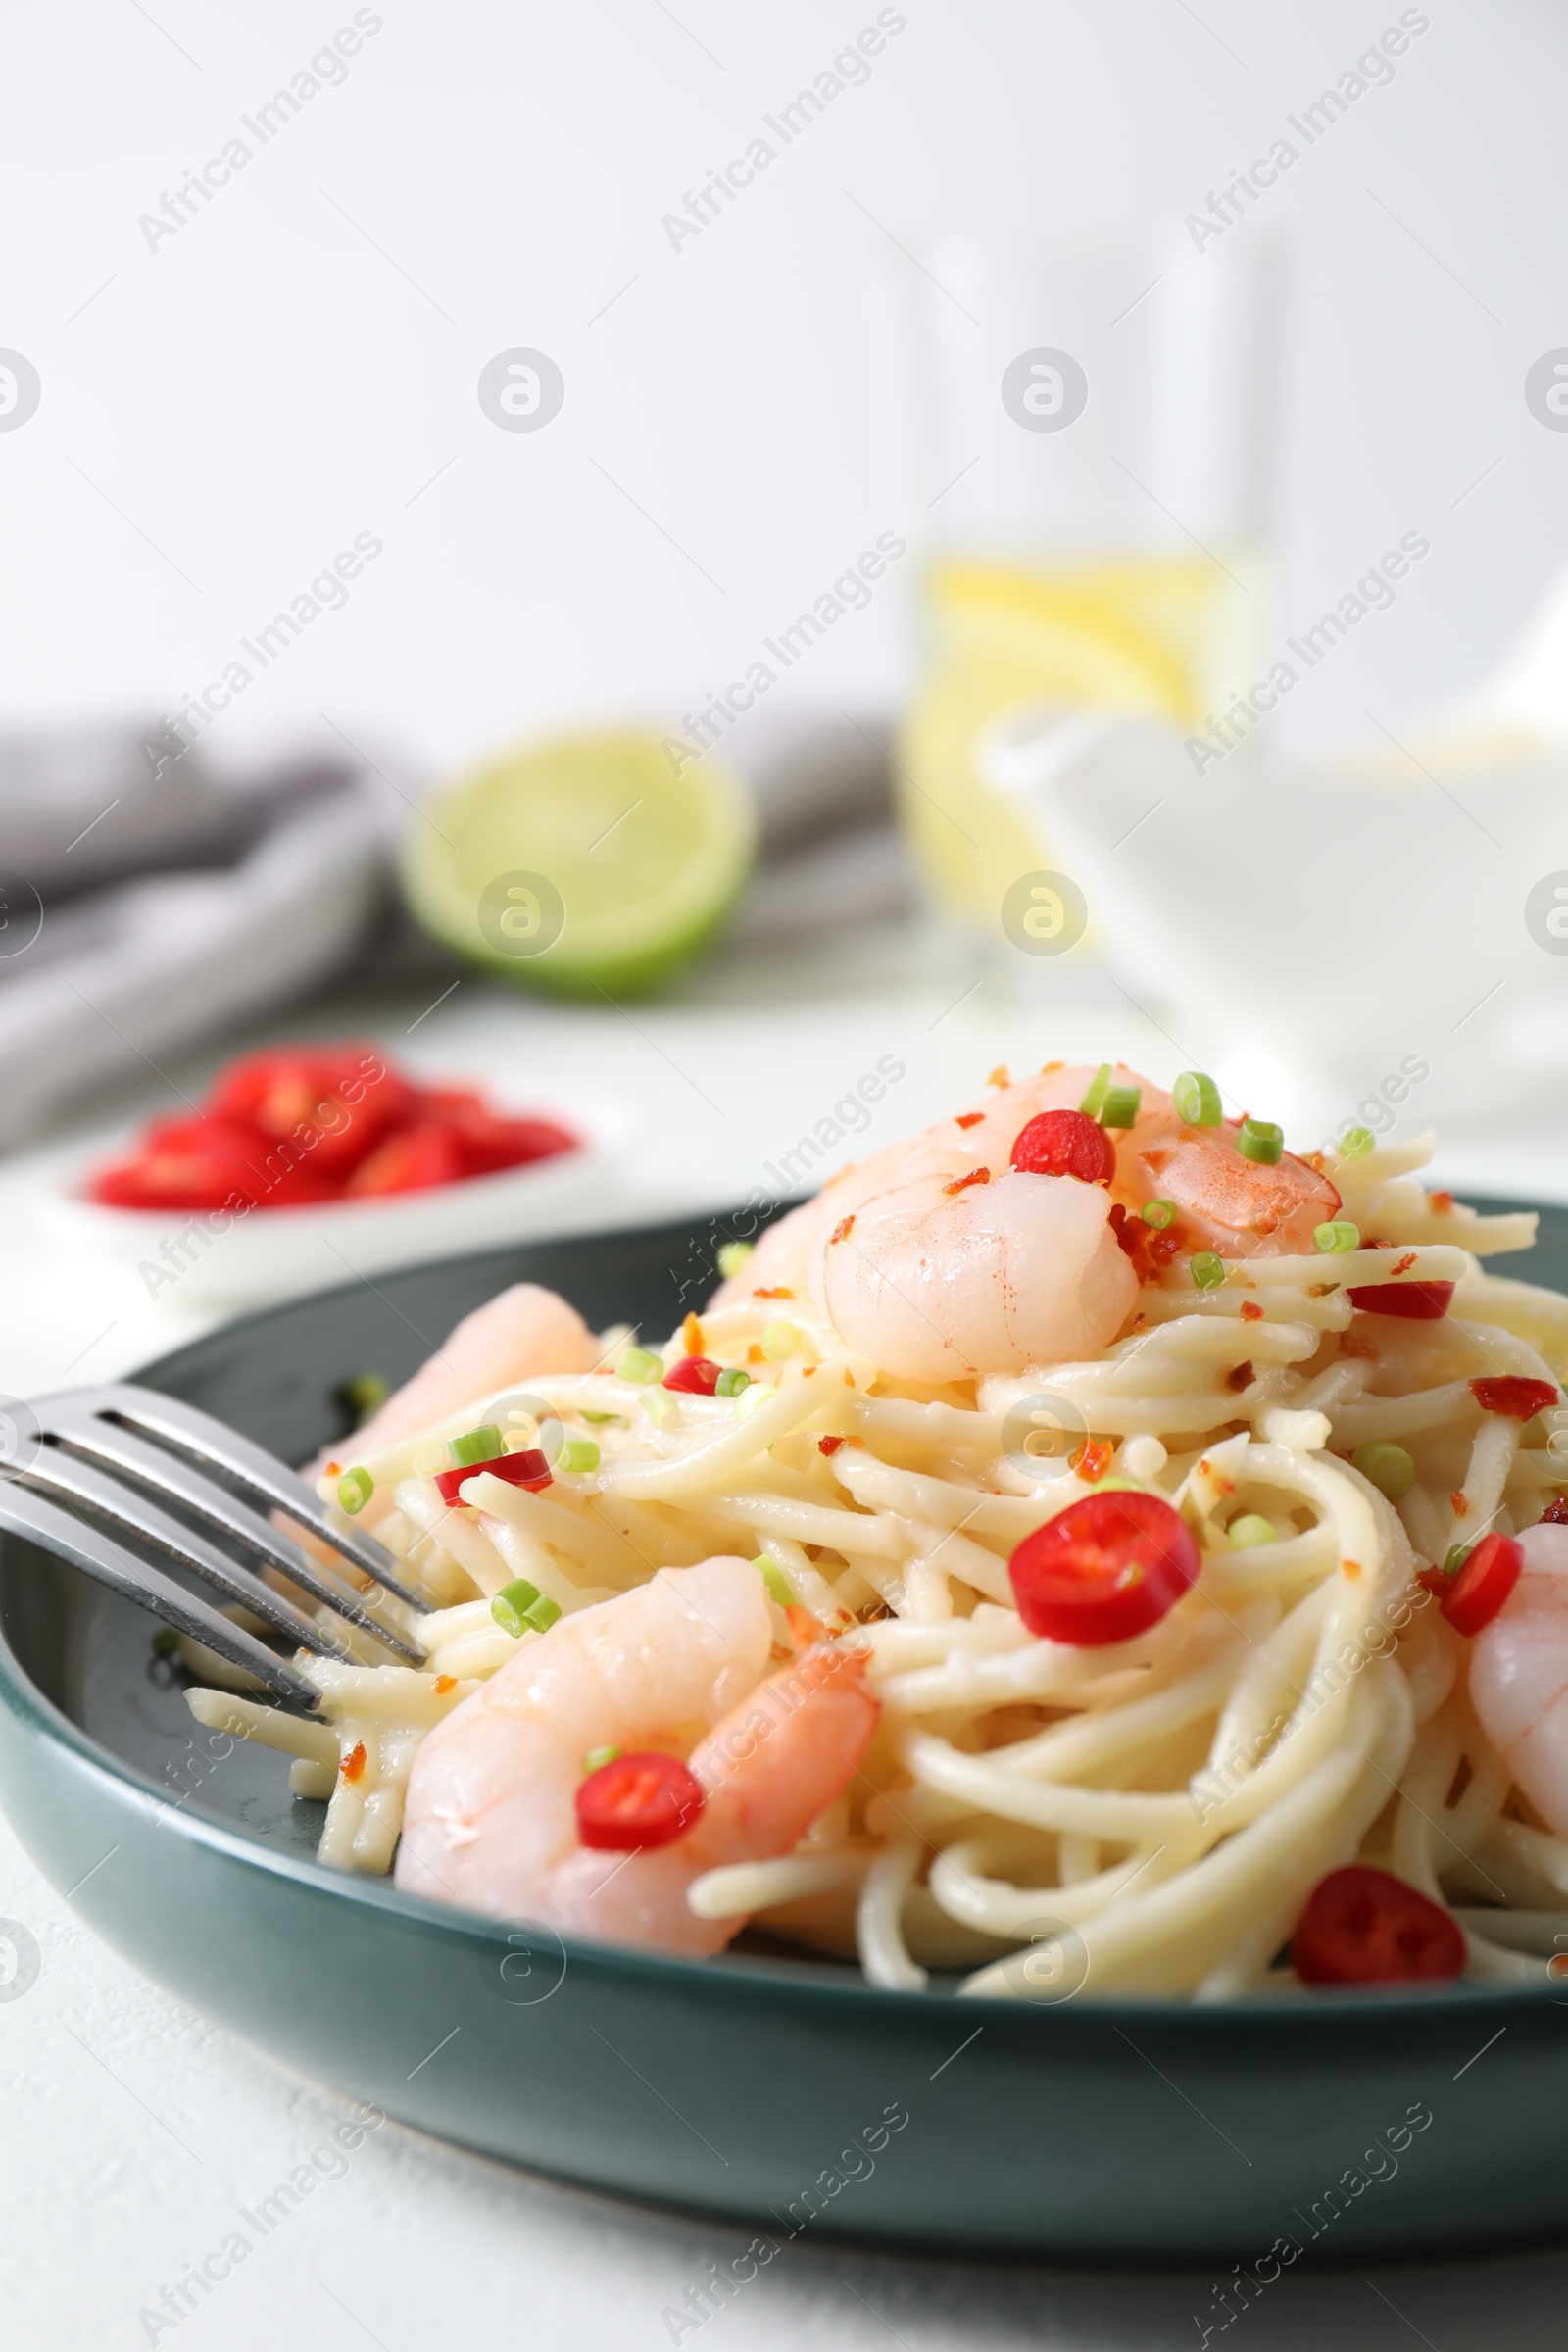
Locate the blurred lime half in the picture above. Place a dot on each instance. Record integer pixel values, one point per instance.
(582, 864)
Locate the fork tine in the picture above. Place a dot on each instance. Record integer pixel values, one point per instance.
(120, 1449)
(39, 1519)
(129, 1512)
(212, 1444)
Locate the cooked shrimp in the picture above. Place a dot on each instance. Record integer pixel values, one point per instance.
(1519, 1676)
(491, 1820)
(1241, 1207)
(522, 1332)
(941, 1262)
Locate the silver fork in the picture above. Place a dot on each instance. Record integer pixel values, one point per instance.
(104, 1463)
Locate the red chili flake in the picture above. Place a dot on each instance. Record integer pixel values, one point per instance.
(1239, 1376)
(975, 1176)
(1092, 1459)
(334, 1469)
(1520, 1399)
(969, 1118)
(999, 1076)
(1402, 1266)
(1165, 1246)
(1555, 1513)
(445, 1683)
(779, 1290)
(353, 1765)
(829, 1445)
(1461, 1509)
(691, 1336)
(1351, 1568)
(755, 1355)
(1251, 1312)
(843, 1229)
(1047, 1068)
(1441, 1203)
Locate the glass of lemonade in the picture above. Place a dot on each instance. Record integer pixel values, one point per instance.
(1099, 456)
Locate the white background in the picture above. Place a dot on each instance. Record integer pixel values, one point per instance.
(267, 383)
(226, 412)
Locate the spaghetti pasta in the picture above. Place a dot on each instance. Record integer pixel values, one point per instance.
(1165, 1801)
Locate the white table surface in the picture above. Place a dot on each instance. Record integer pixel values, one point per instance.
(132, 2131)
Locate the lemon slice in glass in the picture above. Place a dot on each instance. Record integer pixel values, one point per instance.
(583, 864)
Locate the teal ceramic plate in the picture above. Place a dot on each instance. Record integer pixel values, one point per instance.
(782, 2094)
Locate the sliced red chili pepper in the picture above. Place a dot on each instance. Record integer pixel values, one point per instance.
(352, 1764)
(1105, 1568)
(487, 1143)
(203, 1163)
(1484, 1583)
(969, 1118)
(410, 1161)
(333, 1090)
(1521, 1399)
(1365, 1926)
(525, 1469)
(1417, 1301)
(696, 1375)
(638, 1801)
(1064, 1143)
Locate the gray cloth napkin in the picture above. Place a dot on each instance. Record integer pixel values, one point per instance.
(242, 896)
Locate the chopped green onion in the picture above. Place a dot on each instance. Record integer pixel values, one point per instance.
(1259, 1140)
(660, 1403)
(542, 1614)
(365, 1394)
(1114, 1483)
(432, 1458)
(1120, 1106)
(166, 1641)
(354, 1490)
(1455, 1558)
(1159, 1214)
(579, 1454)
(597, 1757)
(1208, 1271)
(731, 1257)
(732, 1382)
(1252, 1528)
(1340, 1235)
(511, 1605)
(588, 1416)
(1195, 1097)
(1356, 1141)
(779, 1339)
(639, 1365)
(774, 1576)
(751, 1399)
(1389, 1467)
(477, 1445)
(1099, 1086)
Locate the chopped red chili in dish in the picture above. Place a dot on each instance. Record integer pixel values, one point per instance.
(1509, 1394)
(843, 1229)
(962, 1182)
(1064, 1143)
(1417, 1301)
(637, 1802)
(969, 1118)
(352, 1764)
(298, 1126)
(1365, 1926)
(1481, 1586)
(694, 1375)
(527, 1468)
(1105, 1568)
